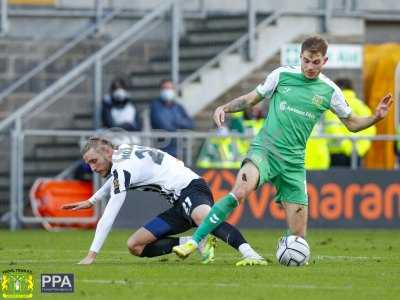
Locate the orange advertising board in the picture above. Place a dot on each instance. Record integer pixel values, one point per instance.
(336, 198)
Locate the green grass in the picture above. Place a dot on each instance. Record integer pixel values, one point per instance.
(345, 264)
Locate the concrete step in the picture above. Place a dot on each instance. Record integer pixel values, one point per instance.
(83, 121)
(214, 23)
(5, 176)
(147, 78)
(56, 150)
(15, 101)
(49, 165)
(226, 22)
(190, 65)
(219, 30)
(211, 37)
(200, 51)
(192, 57)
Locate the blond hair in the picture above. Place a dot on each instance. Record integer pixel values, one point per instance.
(96, 143)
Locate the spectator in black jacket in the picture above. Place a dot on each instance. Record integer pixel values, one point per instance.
(167, 114)
(118, 109)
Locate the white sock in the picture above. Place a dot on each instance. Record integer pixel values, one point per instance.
(248, 252)
(184, 239)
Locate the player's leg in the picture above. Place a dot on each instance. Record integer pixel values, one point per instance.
(229, 234)
(246, 181)
(138, 240)
(153, 238)
(292, 195)
(296, 218)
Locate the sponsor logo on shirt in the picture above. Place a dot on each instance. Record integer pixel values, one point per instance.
(283, 106)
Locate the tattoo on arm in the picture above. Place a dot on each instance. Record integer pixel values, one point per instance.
(238, 104)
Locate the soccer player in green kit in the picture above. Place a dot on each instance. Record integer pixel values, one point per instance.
(298, 97)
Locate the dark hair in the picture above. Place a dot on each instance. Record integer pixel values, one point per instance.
(344, 83)
(163, 81)
(315, 44)
(95, 143)
(118, 83)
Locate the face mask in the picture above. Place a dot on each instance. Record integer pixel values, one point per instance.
(120, 95)
(167, 94)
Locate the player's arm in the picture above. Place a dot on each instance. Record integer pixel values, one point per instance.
(104, 226)
(355, 123)
(239, 104)
(264, 90)
(102, 193)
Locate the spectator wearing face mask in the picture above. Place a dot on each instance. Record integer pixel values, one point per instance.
(117, 108)
(167, 114)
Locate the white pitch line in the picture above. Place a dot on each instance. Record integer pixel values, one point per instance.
(34, 261)
(343, 257)
(223, 256)
(60, 251)
(207, 284)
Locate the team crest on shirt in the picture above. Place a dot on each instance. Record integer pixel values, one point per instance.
(318, 100)
(116, 183)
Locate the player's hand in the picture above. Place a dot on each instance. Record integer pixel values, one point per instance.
(219, 116)
(383, 107)
(77, 205)
(89, 259)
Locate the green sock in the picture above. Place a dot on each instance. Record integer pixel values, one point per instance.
(287, 233)
(218, 213)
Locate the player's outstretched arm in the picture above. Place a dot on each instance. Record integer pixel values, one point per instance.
(101, 193)
(354, 123)
(104, 226)
(77, 205)
(239, 104)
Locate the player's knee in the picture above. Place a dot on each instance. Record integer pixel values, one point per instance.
(199, 213)
(198, 218)
(135, 248)
(240, 193)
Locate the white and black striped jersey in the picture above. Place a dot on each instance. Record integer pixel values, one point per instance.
(148, 169)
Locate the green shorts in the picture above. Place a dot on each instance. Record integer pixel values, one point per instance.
(289, 179)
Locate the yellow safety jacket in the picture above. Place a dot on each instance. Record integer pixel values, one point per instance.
(219, 153)
(333, 125)
(317, 153)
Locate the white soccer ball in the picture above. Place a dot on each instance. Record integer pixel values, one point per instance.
(293, 251)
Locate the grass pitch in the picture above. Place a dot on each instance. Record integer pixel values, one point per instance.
(345, 264)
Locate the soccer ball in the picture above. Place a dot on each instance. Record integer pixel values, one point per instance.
(293, 251)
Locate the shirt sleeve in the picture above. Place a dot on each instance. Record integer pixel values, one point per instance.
(339, 105)
(102, 192)
(121, 179)
(266, 89)
(106, 221)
